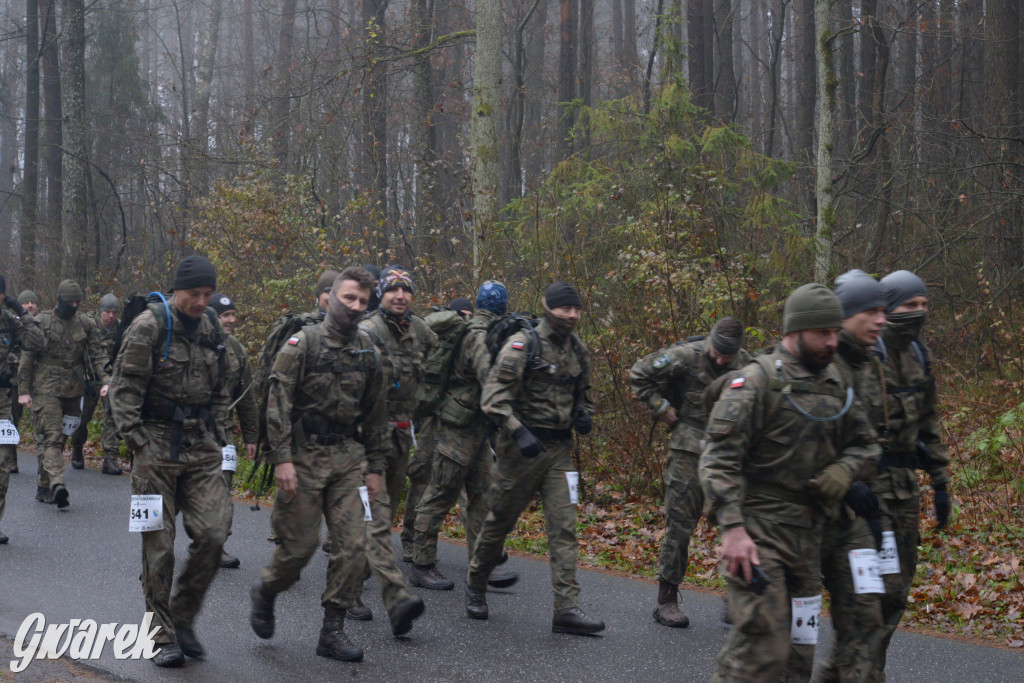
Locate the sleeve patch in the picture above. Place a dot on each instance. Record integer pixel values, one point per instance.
(518, 345)
(293, 341)
(661, 361)
(737, 383)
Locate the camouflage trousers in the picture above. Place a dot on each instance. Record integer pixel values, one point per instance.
(452, 472)
(419, 477)
(193, 486)
(516, 481)
(684, 501)
(396, 465)
(8, 456)
(903, 518)
(48, 420)
(229, 476)
(758, 647)
(110, 441)
(857, 619)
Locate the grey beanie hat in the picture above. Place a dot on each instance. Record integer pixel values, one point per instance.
(900, 287)
(109, 302)
(811, 307)
(857, 292)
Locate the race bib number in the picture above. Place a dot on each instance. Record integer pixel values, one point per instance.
(147, 513)
(9, 435)
(71, 423)
(864, 567)
(573, 479)
(364, 495)
(806, 614)
(230, 458)
(888, 558)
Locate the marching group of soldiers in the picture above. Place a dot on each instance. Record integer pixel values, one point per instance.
(804, 457)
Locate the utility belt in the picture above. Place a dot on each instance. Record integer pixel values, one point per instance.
(317, 430)
(764, 488)
(181, 416)
(545, 434)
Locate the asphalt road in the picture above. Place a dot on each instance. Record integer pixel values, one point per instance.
(82, 563)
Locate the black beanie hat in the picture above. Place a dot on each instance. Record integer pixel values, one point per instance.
(461, 304)
(194, 271)
(221, 303)
(561, 293)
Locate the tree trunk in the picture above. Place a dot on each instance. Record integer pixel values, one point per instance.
(423, 138)
(204, 80)
(75, 220)
(629, 58)
(52, 152)
(8, 150)
(725, 73)
(248, 61)
(533, 90)
(567, 54)
(588, 58)
(30, 181)
(515, 178)
(696, 34)
(484, 122)
(775, 32)
(375, 133)
(826, 109)
(847, 71)
(282, 109)
(803, 134)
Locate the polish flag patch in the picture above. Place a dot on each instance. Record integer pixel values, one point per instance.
(293, 341)
(518, 345)
(737, 383)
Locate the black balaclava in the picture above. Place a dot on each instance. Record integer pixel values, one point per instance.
(68, 291)
(557, 294)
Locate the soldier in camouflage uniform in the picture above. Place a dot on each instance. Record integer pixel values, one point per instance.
(856, 617)
(536, 409)
(785, 441)
(59, 344)
(11, 334)
(169, 395)
(29, 302)
(238, 377)
(911, 439)
(326, 418)
(463, 459)
(106, 324)
(671, 382)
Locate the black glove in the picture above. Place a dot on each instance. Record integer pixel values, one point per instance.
(942, 505)
(583, 424)
(862, 500)
(875, 525)
(528, 444)
(12, 303)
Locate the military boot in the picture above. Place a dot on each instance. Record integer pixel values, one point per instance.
(573, 620)
(502, 578)
(169, 656)
(61, 496)
(44, 495)
(476, 604)
(3, 538)
(77, 459)
(333, 641)
(187, 641)
(430, 577)
(110, 465)
(261, 616)
(403, 614)
(667, 612)
(360, 612)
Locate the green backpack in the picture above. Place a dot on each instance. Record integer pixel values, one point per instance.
(450, 328)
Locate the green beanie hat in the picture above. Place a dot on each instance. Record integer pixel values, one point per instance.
(69, 290)
(28, 295)
(811, 307)
(325, 282)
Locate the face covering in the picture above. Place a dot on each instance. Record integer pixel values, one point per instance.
(907, 325)
(561, 326)
(340, 319)
(65, 310)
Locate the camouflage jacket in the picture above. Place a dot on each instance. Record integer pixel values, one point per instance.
(322, 387)
(910, 400)
(12, 333)
(144, 381)
(470, 367)
(238, 378)
(677, 376)
(55, 355)
(762, 450)
(550, 395)
(403, 353)
(107, 338)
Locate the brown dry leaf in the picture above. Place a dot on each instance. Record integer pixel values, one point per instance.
(967, 610)
(1015, 643)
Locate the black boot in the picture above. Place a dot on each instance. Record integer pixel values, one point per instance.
(188, 642)
(261, 617)
(44, 495)
(77, 460)
(169, 656)
(476, 604)
(573, 620)
(502, 578)
(403, 614)
(333, 641)
(3, 538)
(360, 612)
(229, 561)
(430, 577)
(110, 465)
(61, 496)
(667, 612)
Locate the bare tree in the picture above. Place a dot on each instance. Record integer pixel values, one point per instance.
(30, 183)
(75, 162)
